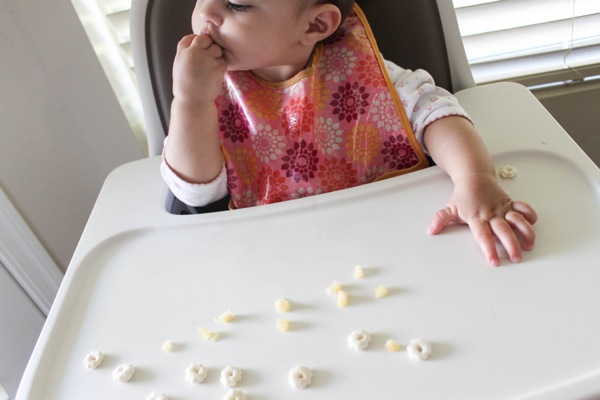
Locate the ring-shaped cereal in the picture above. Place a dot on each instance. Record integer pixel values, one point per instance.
(359, 340)
(508, 172)
(123, 372)
(233, 394)
(300, 377)
(196, 373)
(93, 359)
(419, 349)
(230, 376)
(157, 396)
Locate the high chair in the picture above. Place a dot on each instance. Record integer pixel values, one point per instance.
(138, 271)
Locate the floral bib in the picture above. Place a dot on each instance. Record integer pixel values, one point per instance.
(337, 124)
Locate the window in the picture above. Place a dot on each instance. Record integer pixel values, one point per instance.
(106, 23)
(534, 42)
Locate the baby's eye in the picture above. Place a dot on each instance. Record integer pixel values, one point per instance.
(238, 7)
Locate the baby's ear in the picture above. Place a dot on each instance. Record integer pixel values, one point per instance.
(324, 19)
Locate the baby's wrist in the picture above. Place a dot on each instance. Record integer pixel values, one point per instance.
(192, 104)
(475, 179)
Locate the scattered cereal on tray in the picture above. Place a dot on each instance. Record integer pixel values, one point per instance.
(359, 272)
(196, 373)
(93, 359)
(208, 335)
(123, 372)
(508, 172)
(157, 396)
(392, 345)
(230, 376)
(225, 318)
(282, 305)
(334, 288)
(300, 377)
(234, 394)
(381, 291)
(342, 298)
(419, 349)
(282, 324)
(359, 340)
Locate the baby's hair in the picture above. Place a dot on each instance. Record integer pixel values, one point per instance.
(345, 6)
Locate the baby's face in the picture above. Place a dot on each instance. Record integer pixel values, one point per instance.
(263, 36)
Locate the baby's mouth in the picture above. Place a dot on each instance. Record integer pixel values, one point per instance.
(212, 36)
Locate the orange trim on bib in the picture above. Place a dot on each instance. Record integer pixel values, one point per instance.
(337, 124)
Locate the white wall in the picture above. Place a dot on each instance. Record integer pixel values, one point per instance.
(61, 128)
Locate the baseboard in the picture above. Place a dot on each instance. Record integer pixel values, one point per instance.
(3, 394)
(25, 258)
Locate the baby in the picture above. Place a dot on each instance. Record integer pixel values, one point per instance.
(280, 99)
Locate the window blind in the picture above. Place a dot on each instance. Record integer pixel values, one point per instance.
(534, 42)
(106, 23)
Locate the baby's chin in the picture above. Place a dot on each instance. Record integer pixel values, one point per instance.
(234, 66)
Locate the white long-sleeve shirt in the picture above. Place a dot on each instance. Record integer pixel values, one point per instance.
(423, 102)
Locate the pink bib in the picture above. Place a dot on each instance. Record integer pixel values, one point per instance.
(337, 124)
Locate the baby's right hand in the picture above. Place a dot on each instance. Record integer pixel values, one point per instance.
(198, 69)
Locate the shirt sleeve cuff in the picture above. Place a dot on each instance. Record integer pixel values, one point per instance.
(195, 194)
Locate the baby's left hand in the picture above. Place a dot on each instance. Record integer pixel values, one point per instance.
(481, 203)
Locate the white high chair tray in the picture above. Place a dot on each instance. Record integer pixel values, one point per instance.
(141, 276)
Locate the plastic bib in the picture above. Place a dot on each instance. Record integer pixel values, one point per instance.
(337, 124)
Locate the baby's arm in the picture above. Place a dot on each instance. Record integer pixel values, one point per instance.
(477, 199)
(442, 127)
(193, 151)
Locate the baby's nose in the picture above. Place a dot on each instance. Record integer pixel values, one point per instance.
(211, 11)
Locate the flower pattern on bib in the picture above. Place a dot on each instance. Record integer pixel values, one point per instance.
(337, 124)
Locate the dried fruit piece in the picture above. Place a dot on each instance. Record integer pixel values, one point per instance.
(225, 318)
(282, 305)
(282, 324)
(208, 335)
(392, 345)
(342, 298)
(359, 272)
(381, 291)
(334, 288)
(168, 346)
